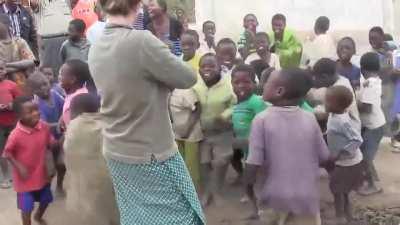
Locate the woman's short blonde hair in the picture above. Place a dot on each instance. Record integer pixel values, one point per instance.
(118, 7)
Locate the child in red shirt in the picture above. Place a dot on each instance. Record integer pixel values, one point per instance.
(8, 92)
(26, 150)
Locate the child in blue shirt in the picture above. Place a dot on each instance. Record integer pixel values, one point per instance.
(346, 48)
(55, 86)
(50, 106)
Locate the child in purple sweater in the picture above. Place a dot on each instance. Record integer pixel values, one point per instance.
(287, 143)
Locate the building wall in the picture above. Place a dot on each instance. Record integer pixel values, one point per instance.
(348, 17)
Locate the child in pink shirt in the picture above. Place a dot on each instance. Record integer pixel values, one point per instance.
(26, 150)
(75, 80)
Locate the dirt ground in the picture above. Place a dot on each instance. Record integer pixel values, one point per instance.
(232, 212)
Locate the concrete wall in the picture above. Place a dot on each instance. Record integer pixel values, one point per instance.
(348, 17)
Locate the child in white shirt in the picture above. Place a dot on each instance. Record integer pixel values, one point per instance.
(372, 118)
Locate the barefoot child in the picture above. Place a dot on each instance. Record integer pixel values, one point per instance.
(90, 193)
(287, 143)
(372, 118)
(185, 112)
(50, 107)
(8, 92)
(346, 48)
(26, 150)
(75, 77)
(344, 141)
(216, 100)
(249, 105)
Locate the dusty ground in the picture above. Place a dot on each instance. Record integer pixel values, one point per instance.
(232, 212)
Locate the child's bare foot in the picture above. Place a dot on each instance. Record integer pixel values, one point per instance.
(252, 216)
(206, 200)
(60, 192)
(244, 199)
(237, 181)
(39, 220)
(218, 200)
(370, 190)
(336, 221)
(5, 185)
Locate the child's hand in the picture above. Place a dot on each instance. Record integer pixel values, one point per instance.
(3, 107)
(62, 126)
(23, 172)
(240, 143)
(366, 83)
(222, 122)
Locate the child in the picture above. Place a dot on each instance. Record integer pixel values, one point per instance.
(323, 45)
(262, 53)
(26, 150)
(207, 44)
(325, 76)
(285, 43)
(77, 46)
(344, 141)
(287, 142)
(249, 105)
(16, 53)
(55, 85)
(75, 80)
(90, 194)
(216, 101)
(96, 29)
(345, 50)
(185, 112)
(190, 44)
(8, 92)
(372, 118)
(389, 77)
(246, 43)
(50, 107)
(226, 55)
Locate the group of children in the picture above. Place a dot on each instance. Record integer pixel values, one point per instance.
(251, 108)
(34, 127)
(326, 116)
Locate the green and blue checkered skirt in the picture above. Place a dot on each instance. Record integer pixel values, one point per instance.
(159, 193)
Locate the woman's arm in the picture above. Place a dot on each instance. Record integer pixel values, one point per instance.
(165, 67)
(21, 65)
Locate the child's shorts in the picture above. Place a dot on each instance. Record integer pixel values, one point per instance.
(344, 179)
(26, 200)
(216, 149)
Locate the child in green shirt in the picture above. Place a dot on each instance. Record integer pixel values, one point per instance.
(249, 105)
